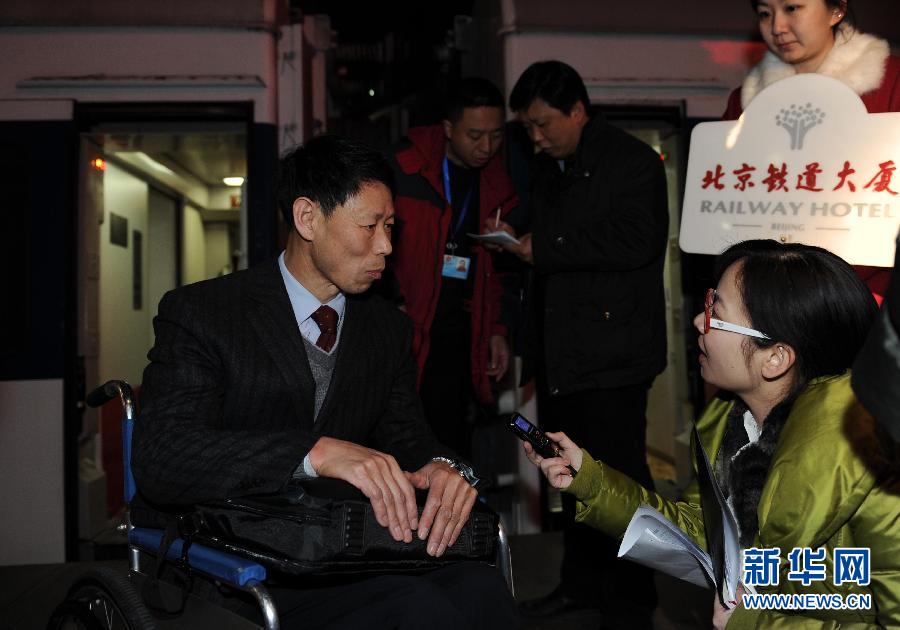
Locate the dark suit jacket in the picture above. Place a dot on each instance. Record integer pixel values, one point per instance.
(228, 395)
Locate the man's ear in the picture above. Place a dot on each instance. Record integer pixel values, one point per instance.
(304, 211)
(779, 359)
(578, 112)
(448, 128)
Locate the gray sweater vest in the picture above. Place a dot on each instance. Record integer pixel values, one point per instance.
(322, 367)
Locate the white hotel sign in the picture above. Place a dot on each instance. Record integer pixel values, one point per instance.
(806, 164)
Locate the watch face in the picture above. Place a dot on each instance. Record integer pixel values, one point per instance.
(469, 474)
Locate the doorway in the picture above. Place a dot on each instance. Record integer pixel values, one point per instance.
(161, 204)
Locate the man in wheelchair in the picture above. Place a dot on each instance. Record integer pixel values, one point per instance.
(292, 370)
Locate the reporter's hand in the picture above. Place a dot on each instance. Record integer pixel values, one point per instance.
(555, 468)
(721, 615)
(447, 508)
(523, 249)
(377, 475)
(492, 225)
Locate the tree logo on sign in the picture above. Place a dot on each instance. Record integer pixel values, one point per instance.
(797, 121)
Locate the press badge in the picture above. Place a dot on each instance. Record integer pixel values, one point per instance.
(456, 267)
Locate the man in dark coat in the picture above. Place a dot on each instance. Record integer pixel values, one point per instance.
(597, 328)
(289, 370)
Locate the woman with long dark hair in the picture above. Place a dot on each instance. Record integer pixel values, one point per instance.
(797, 457)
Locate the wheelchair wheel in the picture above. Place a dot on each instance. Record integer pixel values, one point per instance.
(103, 599)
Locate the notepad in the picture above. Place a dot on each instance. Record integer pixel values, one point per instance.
(496, 238)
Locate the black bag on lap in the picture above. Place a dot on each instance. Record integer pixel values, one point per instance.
(324, 526)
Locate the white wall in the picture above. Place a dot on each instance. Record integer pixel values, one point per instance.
(193, 252)
(31, 472)
(218, 249)
(161, 250)
(141, 64)
(220, 197)
(193, 189)
(124, 331)
(641, 68)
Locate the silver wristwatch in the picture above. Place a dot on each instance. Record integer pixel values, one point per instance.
(465, 471)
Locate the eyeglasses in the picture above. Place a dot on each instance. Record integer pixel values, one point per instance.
(711, 322)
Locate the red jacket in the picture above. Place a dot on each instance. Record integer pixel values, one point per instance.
(885, 98)
(424, 216)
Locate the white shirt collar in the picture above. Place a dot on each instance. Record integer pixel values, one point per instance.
(305, 303)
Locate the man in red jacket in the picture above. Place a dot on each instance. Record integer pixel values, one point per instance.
(450, 180)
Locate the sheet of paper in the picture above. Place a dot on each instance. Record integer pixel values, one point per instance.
(654, 541)
(496, 238)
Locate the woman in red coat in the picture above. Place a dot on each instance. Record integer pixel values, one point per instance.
(818, 36)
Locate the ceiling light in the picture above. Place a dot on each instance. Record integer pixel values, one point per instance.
(233, 181)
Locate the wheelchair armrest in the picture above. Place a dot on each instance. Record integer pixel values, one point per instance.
(227, 567)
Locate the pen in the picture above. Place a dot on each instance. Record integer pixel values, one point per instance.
(497, 222)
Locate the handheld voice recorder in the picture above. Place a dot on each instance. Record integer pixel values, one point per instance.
(527, 432)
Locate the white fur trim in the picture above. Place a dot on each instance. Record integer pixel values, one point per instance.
(856, 59)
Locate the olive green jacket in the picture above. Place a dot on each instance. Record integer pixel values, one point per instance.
(821, 490)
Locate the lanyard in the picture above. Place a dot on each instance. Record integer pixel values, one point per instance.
(465, 206)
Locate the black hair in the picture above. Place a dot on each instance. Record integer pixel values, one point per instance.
(471, 92)
(841, 5)
(806, 297)
(328, 170)
(556, 83)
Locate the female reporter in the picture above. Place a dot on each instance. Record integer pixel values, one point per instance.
(819, 36)
(798, 458)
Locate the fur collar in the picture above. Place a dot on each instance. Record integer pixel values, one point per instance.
(742, 468)
(858, 60)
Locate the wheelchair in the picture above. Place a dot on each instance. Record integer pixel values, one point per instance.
(106, 599)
